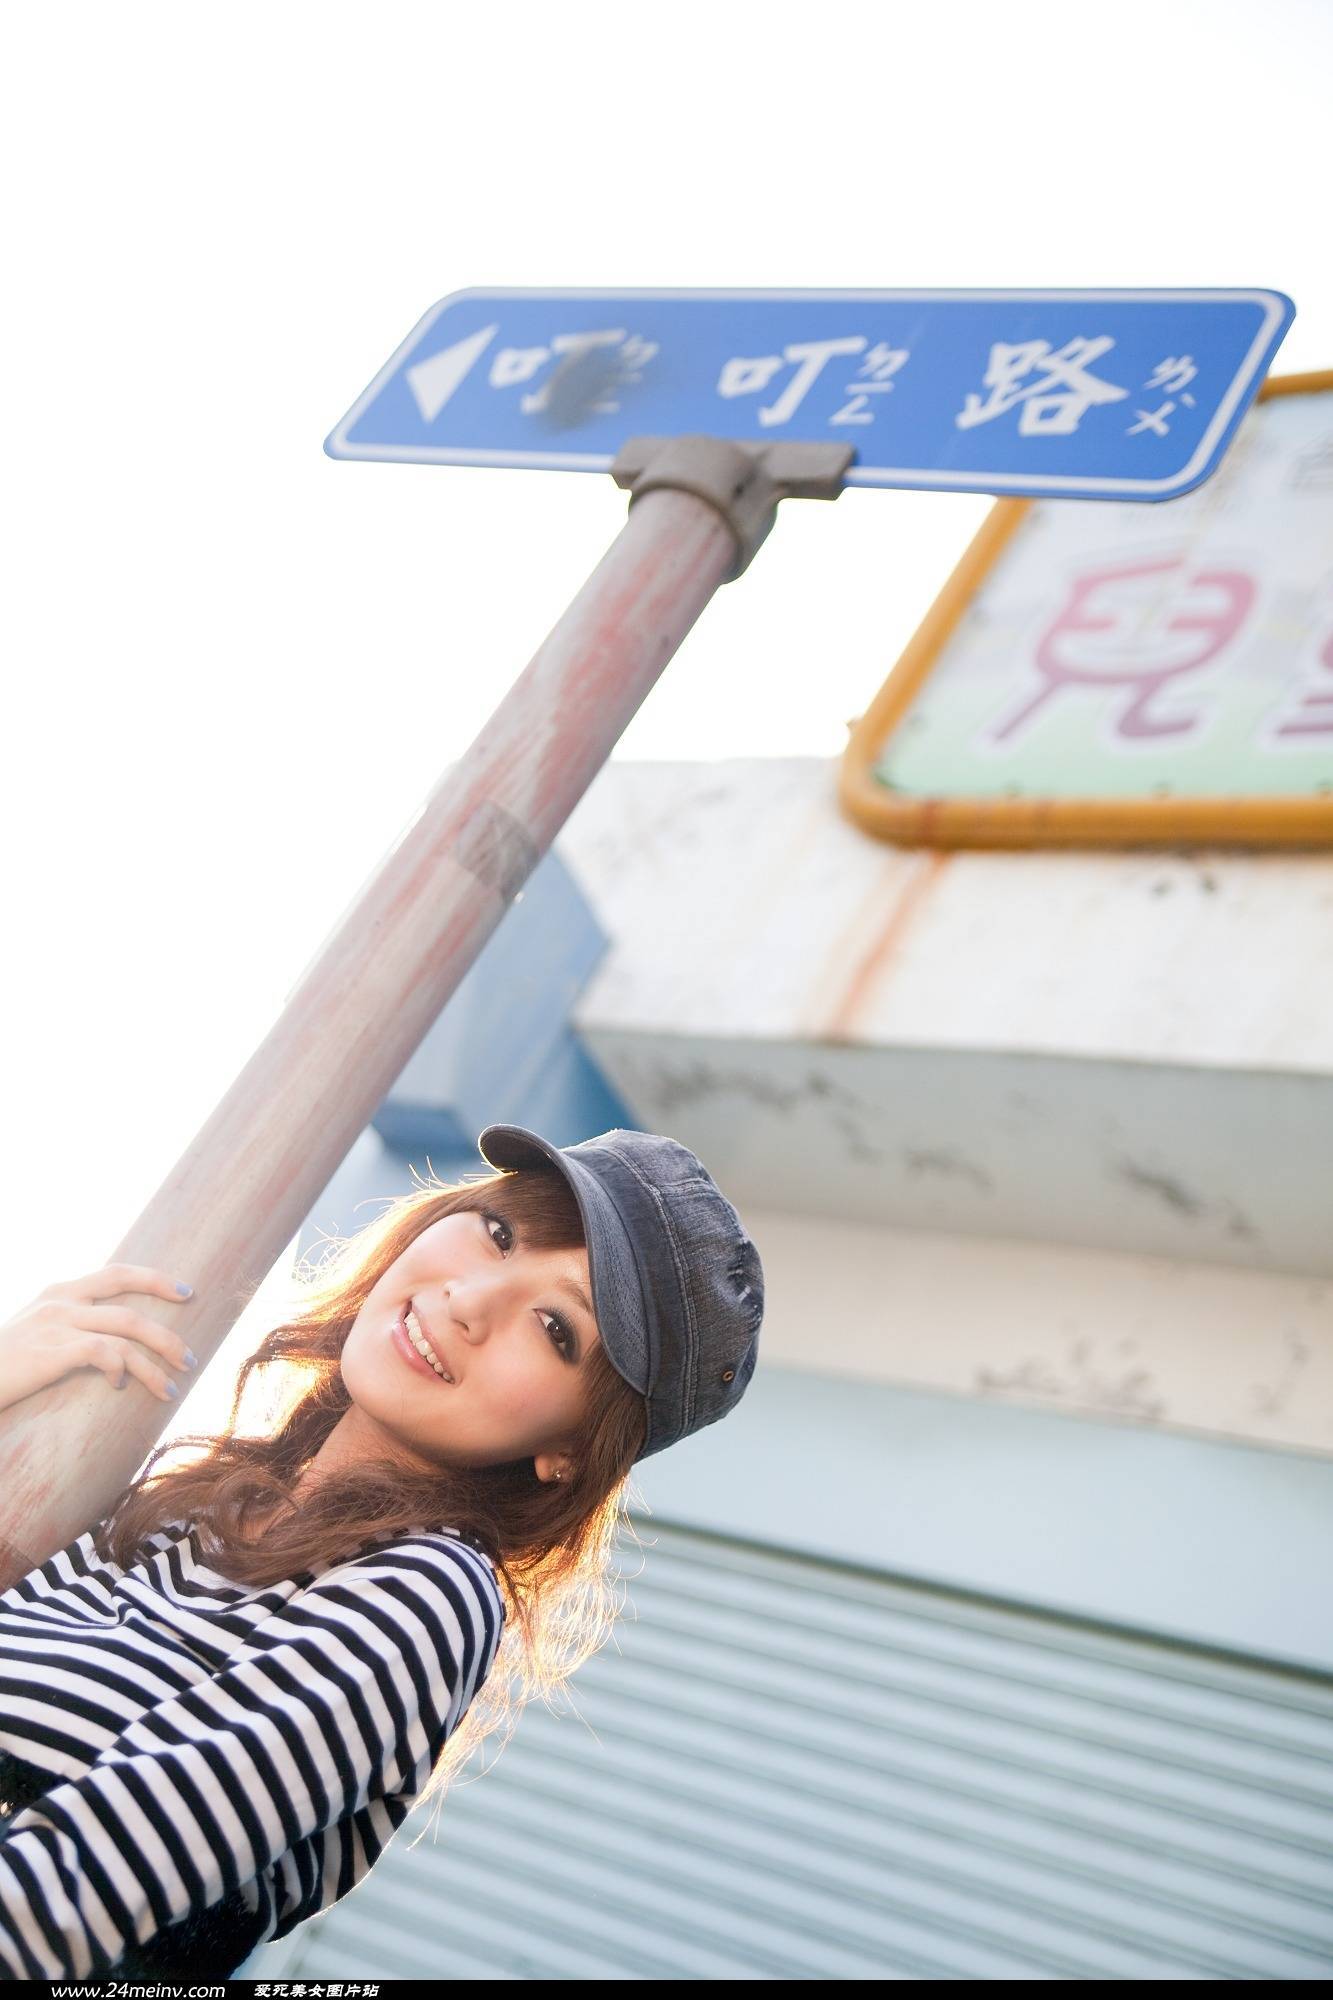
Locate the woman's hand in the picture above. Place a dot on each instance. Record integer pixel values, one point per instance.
(67, 1327)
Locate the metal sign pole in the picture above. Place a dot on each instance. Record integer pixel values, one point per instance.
(699, 509)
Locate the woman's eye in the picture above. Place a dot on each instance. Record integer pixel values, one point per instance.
(508, 1241)
(561, 1337)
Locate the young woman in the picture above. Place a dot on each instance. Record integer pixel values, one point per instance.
(218, 1705)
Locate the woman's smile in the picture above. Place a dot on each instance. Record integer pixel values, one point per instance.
(409, 1337)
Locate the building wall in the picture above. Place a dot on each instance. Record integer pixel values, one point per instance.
(1191, 1347)
(1042, 1128)
(1037, 1166)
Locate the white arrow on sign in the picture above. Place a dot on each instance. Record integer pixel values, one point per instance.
(433, 381)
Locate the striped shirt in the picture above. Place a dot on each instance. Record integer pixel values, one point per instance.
(210, 1741)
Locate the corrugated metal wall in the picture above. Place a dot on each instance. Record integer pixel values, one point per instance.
(786, 1769)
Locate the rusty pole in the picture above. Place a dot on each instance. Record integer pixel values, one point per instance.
(239, 1193)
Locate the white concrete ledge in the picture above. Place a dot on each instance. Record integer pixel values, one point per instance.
(1127, 1051)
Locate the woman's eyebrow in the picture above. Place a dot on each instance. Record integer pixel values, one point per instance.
(576, 1291)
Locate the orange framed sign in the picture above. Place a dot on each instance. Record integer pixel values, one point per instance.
(1110, 674)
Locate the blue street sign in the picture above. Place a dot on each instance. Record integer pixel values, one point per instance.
(1087, 395)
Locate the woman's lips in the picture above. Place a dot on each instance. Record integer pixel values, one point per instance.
(398, 1335)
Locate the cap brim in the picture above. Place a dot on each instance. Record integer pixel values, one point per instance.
(617, 1295)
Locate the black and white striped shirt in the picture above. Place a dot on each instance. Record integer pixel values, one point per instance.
(209, 1740)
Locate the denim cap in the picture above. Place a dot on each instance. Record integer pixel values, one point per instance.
(677, 1286)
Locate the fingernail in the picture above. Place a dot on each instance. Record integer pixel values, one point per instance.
(191, 1358)
(120, 1384)
(186, 1291)
(172, 1390)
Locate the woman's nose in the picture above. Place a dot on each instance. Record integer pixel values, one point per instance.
(465, 1313)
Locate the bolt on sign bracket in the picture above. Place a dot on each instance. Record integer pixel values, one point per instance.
(1160, 678)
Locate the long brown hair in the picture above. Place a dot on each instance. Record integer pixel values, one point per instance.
(550, 1543)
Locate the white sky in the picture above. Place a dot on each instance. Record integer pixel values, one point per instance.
(233, 667)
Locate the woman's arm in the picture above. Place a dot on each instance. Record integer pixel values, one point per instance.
(344, 1697)
(68, 1326)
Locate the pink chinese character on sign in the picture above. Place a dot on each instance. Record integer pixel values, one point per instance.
(1136, 627)
(1313, 713)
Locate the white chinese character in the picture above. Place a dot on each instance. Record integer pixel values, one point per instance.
(879, 364)
(637, 353)
(1054, 402)
(573, 346)
(872, 379)
(1173, 375)
(513, 366)
(516, 364)
(1152, 420)
(622, 369)
(746, 376)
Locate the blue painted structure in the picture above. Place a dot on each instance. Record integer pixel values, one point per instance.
(1201, 1542)
(503, 1051)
